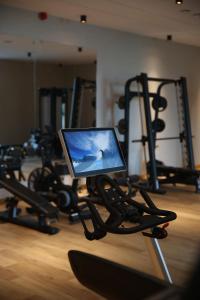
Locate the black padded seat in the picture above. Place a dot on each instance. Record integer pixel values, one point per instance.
(112, 280)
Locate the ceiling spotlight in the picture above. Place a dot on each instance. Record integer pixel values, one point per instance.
(80, 49)
(83, 19)
(179, 2)
(169, 37)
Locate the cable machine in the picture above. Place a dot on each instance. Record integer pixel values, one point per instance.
(157, 172)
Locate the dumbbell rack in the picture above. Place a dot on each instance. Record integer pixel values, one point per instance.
(186, 175)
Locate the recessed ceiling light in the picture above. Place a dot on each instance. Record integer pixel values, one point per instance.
(169, 37)
(8, 42)
(179, 2)
(185, 10)
(83, 19)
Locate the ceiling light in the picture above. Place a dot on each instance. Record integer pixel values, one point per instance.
(83, 19)
(169, 37)
(179, 2)
(8, 41)
(185, 10)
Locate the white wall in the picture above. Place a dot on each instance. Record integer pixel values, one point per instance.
(119, 56)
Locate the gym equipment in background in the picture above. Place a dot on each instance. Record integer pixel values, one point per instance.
(158, 173)
(83, 103)
(53, 108)
(45, 213)
(31, 145)
(12, 156)
(93, 152)
(68, 107)
(47, 182)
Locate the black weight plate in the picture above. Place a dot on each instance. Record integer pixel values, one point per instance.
(159, 103)
(122, 126)
(158, 125)
(121, 102)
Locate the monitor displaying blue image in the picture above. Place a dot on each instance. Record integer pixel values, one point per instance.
(92, 151)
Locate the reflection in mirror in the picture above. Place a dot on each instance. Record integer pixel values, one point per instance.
(44, 83)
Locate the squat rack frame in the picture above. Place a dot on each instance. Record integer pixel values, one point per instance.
(145, 94)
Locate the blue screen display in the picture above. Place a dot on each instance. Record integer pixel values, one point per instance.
(93, 151)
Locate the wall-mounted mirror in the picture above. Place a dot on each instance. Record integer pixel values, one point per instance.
(44, 83)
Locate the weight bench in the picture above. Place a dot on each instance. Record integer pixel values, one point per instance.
(45, 212)
(179, 175)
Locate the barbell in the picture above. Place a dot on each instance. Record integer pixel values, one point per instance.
(144, 139)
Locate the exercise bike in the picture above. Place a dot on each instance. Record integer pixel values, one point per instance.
(47, 181)
(94, 152)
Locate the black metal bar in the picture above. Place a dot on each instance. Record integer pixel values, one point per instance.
(153, 172)
(162, 84)
(161, 79)
(40, 108)
(127, 115)
(158, 139)
(133, 94)
(75, 103)
(187, 129)
(65, 100)
(53, 108)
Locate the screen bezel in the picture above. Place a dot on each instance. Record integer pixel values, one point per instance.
(66, 152)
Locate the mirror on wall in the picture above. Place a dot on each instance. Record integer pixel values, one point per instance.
(44, 83)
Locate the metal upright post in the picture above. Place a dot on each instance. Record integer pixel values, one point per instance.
(127, 97)
(187, 123)
(53, 99)
(74, 111)
(153, 172)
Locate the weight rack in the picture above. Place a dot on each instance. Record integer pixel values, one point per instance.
(187, 174)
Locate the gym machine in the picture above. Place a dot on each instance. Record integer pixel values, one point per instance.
(31, 145)
(13, 156)
(47, 181)
(44, 212)
(53, 108)
(82, 103)
(157, 172)
(94, 152)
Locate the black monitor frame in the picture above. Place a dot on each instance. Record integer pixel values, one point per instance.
(68, 158)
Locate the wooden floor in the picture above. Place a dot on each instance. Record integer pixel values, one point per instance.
(34, 266)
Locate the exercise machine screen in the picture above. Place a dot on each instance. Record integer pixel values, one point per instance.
(91, 151)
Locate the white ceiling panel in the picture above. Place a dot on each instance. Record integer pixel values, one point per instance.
(154, 18)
